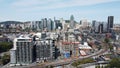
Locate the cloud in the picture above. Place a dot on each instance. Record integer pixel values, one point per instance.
(35, 9)
(24, 3)
(31, 5)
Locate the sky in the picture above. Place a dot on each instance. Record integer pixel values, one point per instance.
(35, 10)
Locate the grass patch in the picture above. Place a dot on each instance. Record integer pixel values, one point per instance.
(84, 61)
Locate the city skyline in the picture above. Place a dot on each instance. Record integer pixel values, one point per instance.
(25, 10)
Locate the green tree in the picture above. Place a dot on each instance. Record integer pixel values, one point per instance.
(114, 63)
(5, 59)
(51, 66)
(5, 46)
(106, 40)
(106, 66)
(102, 66)
(84, 61)
(27, 29)
(110, 47)
(98, 66)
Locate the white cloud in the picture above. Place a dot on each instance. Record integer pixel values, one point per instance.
(28, 5)
(24, 3)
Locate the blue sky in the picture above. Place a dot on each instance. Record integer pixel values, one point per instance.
(31, 10)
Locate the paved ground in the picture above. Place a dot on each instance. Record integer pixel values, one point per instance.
(90, 67)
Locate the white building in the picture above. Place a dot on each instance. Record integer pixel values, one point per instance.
(22, 52)
(84, 23)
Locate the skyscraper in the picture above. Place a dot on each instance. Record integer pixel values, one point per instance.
(110, 23)
(93, 25)
(72, 23)
(49, 27)
(44, 23)
(63, 22)
(96, 26)
(104, 27)
(100, 28)
(54, 24)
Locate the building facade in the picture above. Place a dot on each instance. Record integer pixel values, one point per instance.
(44, 50)
(110, 23)
(99, 27)
(22, 53)
(72, 23)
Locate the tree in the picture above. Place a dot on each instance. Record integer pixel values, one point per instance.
(102, 66)
(114, 63)
(98, 66)
(95, 66)
(84, 61)
(49, 66)
(107, 40)
(110, 47)
(5, 59)
(27, 29)
(106, 66)
(5, 46)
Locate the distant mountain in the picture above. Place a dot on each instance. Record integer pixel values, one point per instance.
(10, 22)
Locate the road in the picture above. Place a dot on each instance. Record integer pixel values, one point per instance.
(71, 60)
(68, 61)
(2, 54)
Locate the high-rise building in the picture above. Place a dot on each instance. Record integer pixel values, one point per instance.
(54, 24)
(27, 49)
(44, 23)
(51, 25)
(100, 28)
(110, 23)
(96, 26)
(58, 24)
(44, 50)
(93, 26)
(33, 25)
(72, 23)
(22, 53)
(84, 23)
(104, 27)
(63, 23)
(93, 23)
(36, 25)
